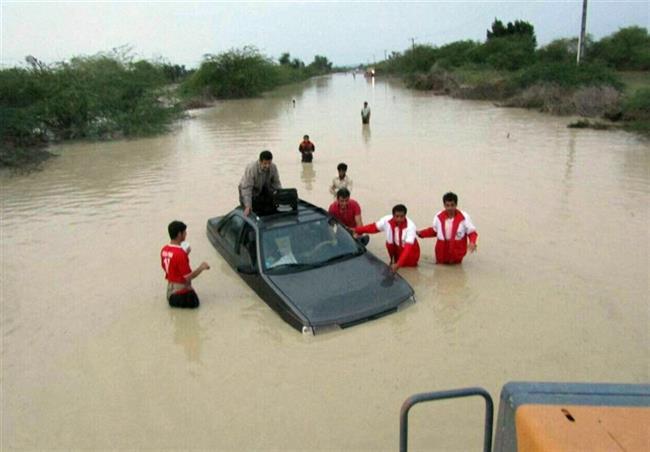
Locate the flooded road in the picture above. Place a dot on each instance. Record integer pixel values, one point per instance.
(93, 358)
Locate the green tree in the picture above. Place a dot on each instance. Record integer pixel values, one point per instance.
(627, 49)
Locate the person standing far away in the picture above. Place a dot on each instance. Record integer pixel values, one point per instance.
(260, 180)
(175, 262)
(401, 242)
(365, 114)
(454, 230)
(342, 180)
(307, 149)
(348, 212)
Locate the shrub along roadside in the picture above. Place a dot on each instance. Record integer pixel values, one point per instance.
(98, 97)
(245, 72)
(507, 67)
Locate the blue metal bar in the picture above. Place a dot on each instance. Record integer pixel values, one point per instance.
(441, 395)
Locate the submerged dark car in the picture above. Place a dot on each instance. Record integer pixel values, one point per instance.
(308, 268)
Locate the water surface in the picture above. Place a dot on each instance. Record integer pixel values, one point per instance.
(92, 357)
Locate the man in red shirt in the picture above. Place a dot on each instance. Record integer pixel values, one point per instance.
(307, 149)
(175, 261)
(348, 212)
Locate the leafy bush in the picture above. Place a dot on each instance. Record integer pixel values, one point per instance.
(246, 72)
(637, 106)
(234, 74)
(627, 49)
(566, 75)
(87, 97)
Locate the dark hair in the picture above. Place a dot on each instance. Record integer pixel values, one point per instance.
(342, 166)
(399, 208)
(450, 197)
(343, 193)
(306, 136)
(266, 155)
(175, 228)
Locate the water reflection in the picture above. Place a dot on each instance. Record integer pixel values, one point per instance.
(307, 175)
(187, 333)
(365, 132)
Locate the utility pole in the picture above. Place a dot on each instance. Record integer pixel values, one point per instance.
(413, 42)
(385, 55)
(583, 29)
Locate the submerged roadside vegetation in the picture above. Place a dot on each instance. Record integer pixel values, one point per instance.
(612, 82)
(112, 95)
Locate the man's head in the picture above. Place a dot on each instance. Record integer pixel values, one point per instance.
(177, 230)
(342, 169)
(265, 160)
(306, 138)
(399, 213)
(343, 197)
(365, 104)
(450, 200)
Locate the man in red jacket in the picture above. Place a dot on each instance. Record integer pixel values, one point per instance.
(401, 241)
(307, 149)
(453, 229)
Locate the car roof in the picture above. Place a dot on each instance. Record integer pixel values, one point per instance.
(304, 213)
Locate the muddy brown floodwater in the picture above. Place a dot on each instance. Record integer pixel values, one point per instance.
(93, 358)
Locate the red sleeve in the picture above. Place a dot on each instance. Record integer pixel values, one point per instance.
(403, 258)
(367, 229)
(473, 237)
(426, 233)
(356, 209)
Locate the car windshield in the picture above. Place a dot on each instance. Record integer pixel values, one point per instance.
(302, 246)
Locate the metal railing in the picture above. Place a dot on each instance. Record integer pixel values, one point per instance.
(441, 395)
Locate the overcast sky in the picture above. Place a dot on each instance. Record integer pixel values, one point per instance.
(345, 32)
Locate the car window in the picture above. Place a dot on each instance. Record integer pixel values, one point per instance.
(231, 230)
(248, 246)
(306, 245)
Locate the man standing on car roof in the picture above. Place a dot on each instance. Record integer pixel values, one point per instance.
(401, 242)
(453, 229)
(260, 180)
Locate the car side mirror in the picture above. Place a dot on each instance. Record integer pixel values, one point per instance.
(246, 269)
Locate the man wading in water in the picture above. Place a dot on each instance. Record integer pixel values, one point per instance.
(175, 261)
(307, 149)
(454, 230)
(257, 185)
(365, 114)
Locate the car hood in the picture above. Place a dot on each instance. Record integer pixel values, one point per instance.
(343, 292)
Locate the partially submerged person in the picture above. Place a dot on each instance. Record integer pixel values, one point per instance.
(257, 185)
(175, 262)
(342, 180)
(401, 242)
(365, 114)
(348, 212)
(346, 209)
(454, 231)
(306, 149)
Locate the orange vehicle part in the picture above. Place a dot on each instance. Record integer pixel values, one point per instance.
(564, 428)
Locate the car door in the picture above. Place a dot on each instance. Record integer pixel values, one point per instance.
(247, 254)
(230, 232)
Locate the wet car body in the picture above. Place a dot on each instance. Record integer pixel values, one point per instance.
(308, 268)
